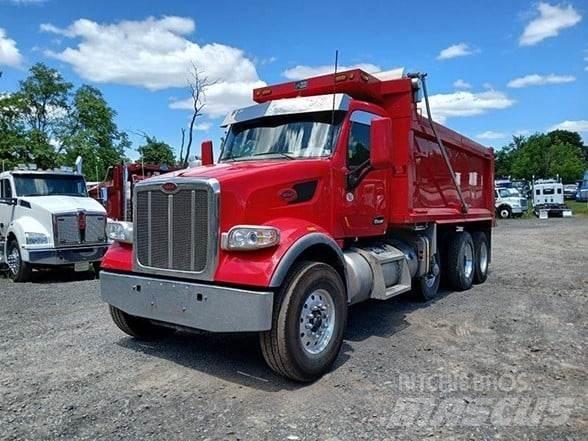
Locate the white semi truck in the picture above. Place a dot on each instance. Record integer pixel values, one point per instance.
(48, 220)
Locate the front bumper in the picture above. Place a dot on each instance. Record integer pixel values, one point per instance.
(517, 210)
(195, 305)
(66, 256)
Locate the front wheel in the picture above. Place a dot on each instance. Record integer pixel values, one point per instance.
(504, 212)
(310, 313)
(138, 327)
(19, 270)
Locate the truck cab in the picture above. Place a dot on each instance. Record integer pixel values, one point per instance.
(509, 202)
(47, 220)
(548, 198)
(328, 192)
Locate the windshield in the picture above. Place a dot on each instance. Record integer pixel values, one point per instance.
(508, 192)
(307, 135)
(45, 185)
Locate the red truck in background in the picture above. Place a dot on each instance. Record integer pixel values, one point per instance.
(116, 191)
(328, 192)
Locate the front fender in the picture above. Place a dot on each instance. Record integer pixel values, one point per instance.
(28, 224)
(269, 267)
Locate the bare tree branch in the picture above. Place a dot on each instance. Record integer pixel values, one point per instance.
(197, 85)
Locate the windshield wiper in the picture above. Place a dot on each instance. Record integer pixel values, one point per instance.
(282, 154)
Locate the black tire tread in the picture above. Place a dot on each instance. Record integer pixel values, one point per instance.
(136, 327)
(453, 262)
(478, 237)
(273, 342)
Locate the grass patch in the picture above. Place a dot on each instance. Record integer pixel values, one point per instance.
(580, 208)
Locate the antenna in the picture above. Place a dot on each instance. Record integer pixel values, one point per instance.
(334, 91)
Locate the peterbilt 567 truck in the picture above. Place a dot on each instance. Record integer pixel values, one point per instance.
(328, 192)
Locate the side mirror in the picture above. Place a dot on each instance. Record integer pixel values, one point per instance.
(206, 153)
(381, 143)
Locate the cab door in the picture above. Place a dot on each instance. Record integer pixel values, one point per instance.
(365, 208)
(6, 206)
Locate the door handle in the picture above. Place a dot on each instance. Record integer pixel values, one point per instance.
(378, 220)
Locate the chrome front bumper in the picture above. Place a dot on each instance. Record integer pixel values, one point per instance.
(67, 256)
(195, 305)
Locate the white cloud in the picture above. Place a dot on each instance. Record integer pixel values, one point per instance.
(461, 84)
(465, 103)
(490, 134)
(26, 2)
(551, 20)
(300, 72)
(9, 53)
(540, 80)
(204, 127)
(522, 132)
(156, 53)
(573, 126)
(456, 50)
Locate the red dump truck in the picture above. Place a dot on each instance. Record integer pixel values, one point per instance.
(328, 192)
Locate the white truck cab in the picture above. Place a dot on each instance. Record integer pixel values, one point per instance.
(548, 198)
(509, 202)
(48, 220)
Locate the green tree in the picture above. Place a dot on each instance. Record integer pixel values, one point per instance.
(12, 133)
(92, 134)
(42, 101)
(156, 152)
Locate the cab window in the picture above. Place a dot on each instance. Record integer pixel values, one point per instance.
(5, 189)
(358, 147)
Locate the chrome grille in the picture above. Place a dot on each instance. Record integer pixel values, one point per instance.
(68, 233)
(95, 228)
(524, 203)
(177, 231)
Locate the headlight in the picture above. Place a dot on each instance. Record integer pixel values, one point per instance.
(250, 237)
(120, 231)
(36, 238)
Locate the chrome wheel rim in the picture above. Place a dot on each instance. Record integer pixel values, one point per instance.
(13, 260)
(483, 258)
(468, 260)
(504, 214)
(316, 321)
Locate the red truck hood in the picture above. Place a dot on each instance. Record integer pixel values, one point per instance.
(243, 169)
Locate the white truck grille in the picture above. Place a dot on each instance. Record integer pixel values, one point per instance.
(69, 231)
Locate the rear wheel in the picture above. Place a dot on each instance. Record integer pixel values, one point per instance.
(310, 313)
(482, 256)
(461, 261)
(19, 270)
(138, 327)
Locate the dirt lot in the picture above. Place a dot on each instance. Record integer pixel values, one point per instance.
(505, 360)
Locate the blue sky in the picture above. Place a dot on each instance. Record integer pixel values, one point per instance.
(496, 68)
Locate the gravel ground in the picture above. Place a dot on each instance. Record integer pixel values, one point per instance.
(505, 360)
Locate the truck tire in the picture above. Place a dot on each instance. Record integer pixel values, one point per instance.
(137, 327)
(482, 256)
(461, 261)
(427, 287)
(504, 212)
(19, 271)
(309, 318)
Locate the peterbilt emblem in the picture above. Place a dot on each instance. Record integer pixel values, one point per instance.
(82, 220)
(169, 187)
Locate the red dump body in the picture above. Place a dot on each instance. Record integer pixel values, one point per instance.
(419, 185)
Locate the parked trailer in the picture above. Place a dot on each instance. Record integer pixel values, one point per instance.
(329, 191)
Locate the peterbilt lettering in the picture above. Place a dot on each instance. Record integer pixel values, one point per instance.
(318, 201)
